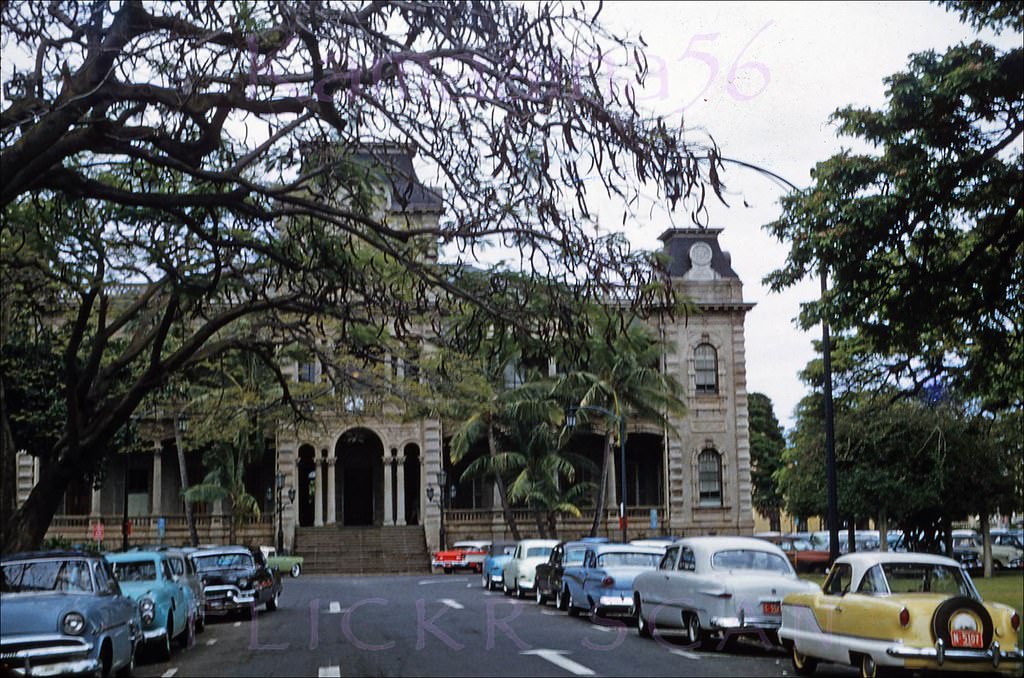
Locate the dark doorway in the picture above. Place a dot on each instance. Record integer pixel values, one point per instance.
(411, 469)
(307, 489)
(360, 477)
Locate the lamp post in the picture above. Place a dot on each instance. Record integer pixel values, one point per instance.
(442, 483)
(280, 507)
(620, 421)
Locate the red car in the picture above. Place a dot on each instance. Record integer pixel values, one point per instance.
(465, 555)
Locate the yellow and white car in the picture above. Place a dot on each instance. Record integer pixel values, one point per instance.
(900, 610)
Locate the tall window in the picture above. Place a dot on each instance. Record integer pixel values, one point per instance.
(307, 373)
(709, 478)
(705, 364)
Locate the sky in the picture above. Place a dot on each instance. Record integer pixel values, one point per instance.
(763, 78)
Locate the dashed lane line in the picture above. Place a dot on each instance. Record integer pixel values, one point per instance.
(451, 603)
(329, 672)
(168, 673)
(557, 658)
(212, 641)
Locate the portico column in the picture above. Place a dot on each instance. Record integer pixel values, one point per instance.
(318, 494)
(332, 497)
(389, 511)
(400, 489)
(156, 494)
(96, 505)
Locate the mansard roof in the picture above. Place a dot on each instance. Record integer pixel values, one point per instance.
(408, 193)
(680, 241)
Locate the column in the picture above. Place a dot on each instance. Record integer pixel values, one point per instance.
(332, 497)
(400, 489)
(96, 505)
(389, 510)
(318, 494)
(156, 492)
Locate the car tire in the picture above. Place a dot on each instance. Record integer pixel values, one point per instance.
(520, 593)
(694, 633)
(940, 620)
(642, 627)
(163, 650)
(594, 613)
(272, 603)
(562, 600)
(447, 570)
(485, 582)
(802, 664)
(573, 610)
(296, 570)
(869, 668)
(128, 669)
(188, 634)
(539, 595)
(201, 620)
(504, 588)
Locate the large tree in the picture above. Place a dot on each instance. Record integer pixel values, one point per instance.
(922, 233)
(766, 447)
(181, 166)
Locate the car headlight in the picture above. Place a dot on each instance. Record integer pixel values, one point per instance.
(73, 624)
(243, 583)
(147, 608)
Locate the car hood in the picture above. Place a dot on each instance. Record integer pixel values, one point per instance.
(137, 589)
(227, 576)
(40, 612)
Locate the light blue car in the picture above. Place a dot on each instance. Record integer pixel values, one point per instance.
(603, 583)
(498, 554)
(165, 600)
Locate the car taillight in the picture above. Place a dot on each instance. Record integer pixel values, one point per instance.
(904, 617)
(1015, 621)
(607, 581)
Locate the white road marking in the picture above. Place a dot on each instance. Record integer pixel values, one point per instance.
(451, 603)
(606, 629)
(469, 586)
(168, 673)
(442, 580)
(334, 607)
(329, 672)
(212, 641)
(237, 624)
(684, 653)
(556, 658)
(550, 613)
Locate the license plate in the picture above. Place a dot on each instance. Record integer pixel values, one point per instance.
(772, 609)
(965, 638)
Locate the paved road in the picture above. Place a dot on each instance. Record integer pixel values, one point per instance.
(440, 626)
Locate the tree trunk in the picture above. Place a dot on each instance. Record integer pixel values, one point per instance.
(189, 520)
(553, 524)
(883, 532)
(986, 545)
(8, 466)
(541, 530)
(27, 527)
(601, 494)
(851, 536)
(510, 519)
(232, 527)
(774, 520)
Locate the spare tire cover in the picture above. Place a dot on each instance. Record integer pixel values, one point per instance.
(958, 611)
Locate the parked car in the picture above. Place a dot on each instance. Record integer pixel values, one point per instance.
(498, 554)
(464, 555)
(236, 579)
(708, 585)
(548, 580)
(290, 564)
(183, 568)
(62, 612)
(907, 610)
(518, 575)
(1002, 554)
(603, 583)
(165, 600)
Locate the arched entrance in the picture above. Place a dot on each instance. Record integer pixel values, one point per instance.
(307, 490)
(359, 478)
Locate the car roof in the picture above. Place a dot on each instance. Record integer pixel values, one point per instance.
(471, 542)
(221, 550)
(50, 555)
(136, 555)
(600, 549)
(867, 559)
(538, 542)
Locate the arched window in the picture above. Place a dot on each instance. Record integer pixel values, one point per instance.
(709, 477)
(705, 365)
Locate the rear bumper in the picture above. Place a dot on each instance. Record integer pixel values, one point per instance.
(744, 624)
(940, 654)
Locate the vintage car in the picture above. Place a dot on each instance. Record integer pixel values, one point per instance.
(62, 612)
(518, 575)
(732, 586)
(183, 568)
(603, 583)
(908, 610)
(1002, 554)
(498, 554)
(165, 600)
(548, 580)
(236, 579)
(290, 564)
(464, 555)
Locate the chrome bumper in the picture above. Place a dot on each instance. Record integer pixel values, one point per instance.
(154, 634)
(743, 623)
(47, 655)
(227, 599)
(941, 654)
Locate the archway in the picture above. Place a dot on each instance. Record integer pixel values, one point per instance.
(307, 491)
(360, 478)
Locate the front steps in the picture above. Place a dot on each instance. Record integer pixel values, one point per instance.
(333, 549)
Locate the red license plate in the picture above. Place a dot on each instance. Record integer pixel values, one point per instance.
(772, 609)
(965, 638)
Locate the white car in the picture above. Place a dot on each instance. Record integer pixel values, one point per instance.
(732, 586)
(520, 573)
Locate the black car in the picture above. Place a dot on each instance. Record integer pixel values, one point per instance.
(235, 578)
(549, 575)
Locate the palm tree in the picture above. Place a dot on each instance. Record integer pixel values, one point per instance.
(623, 376)
(226, 481)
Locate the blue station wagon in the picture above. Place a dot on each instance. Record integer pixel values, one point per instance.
(61, 613)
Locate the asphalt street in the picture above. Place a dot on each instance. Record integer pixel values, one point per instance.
(441, 626)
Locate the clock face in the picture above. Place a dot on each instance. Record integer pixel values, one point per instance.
(700, 254)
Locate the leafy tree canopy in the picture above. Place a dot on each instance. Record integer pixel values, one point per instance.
(922, 235)
(766, 447)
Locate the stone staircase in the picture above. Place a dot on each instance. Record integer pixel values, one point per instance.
(363, 550)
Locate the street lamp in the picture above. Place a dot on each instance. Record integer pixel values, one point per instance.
(620, 421)
(280, 498)
(442, 482)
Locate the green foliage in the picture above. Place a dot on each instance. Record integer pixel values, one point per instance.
(922, 236)
(767, 445)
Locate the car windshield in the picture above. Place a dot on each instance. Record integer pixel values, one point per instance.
(135, 570)
(744, 559)
(223, 561)
(928, 578)
(47, 575)
(502, 549)
(538, 551)
(628, 560)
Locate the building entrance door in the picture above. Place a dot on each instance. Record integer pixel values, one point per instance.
(360, 478)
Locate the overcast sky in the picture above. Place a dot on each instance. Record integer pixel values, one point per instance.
(804, 61)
